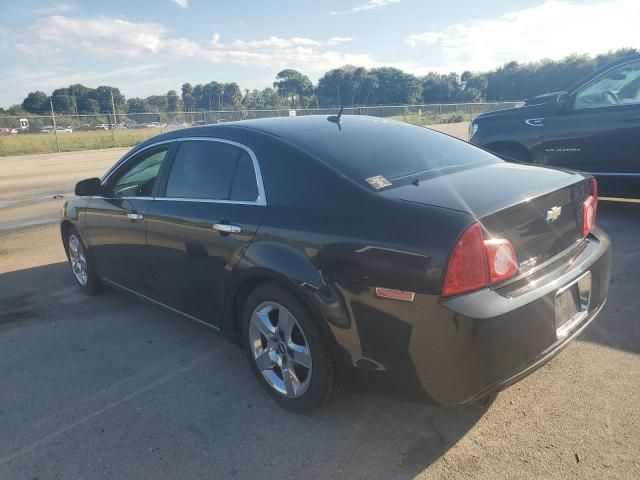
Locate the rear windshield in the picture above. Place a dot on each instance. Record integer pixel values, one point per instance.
(382, 154)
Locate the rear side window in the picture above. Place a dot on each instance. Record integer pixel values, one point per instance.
(211, 170)
(244, 186)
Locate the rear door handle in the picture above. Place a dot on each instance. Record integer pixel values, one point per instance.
(227, 228)
(134, 217)
(632, 119)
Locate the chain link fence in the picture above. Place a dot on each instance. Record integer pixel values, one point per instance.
(64, 132)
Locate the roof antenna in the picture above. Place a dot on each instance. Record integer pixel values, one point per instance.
(336, 118)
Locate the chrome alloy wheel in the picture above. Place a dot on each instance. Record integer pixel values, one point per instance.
(280, 349)
(78, 260)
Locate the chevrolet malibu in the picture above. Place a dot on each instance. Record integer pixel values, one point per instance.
(328, 247)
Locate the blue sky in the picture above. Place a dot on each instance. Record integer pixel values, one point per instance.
(149, 47)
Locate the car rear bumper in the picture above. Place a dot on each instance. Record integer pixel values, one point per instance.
(461, 349)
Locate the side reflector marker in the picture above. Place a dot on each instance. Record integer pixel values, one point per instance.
(395, 294)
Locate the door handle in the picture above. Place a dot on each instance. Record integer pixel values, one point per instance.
(226, 228)
(632, 119)
(134, 217)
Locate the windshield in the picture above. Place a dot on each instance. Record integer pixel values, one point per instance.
(381, 154)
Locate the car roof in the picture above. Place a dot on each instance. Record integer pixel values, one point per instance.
(285, 128)
(289, 127)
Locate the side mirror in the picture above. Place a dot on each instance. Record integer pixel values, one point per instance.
(563, 102)
(88, 188)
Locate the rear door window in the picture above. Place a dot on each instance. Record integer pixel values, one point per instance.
(211, 170)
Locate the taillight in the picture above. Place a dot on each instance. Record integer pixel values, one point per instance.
(589, 209)
(477, 263)
(501, 259)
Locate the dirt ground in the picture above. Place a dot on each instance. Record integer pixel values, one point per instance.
(109, 387)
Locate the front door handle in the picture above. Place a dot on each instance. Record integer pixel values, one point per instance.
(227, 228)
(134, 217)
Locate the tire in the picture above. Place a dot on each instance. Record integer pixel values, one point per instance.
(513, 154)
(81, 263)
(281, 338)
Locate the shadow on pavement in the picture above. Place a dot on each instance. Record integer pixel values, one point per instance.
(111, 387)
(617, 325)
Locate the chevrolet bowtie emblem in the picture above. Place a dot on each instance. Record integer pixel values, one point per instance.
(553, 213)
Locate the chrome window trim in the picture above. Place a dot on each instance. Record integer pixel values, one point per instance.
(260, 200)
(124, 160)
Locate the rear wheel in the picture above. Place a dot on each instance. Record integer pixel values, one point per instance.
(81, 264)
(286, 350)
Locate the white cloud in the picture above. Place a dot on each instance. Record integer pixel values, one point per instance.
(182, 3)
(339, 40)
(103, 37)
(554, 29)
(369, 5)
(276, 42)
(53, 9)
(116, 38)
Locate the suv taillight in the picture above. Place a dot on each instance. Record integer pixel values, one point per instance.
(477, 263)
(589, 209)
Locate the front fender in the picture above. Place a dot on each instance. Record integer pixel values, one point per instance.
(72, 214)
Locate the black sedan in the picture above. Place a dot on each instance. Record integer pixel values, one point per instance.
(333, 246)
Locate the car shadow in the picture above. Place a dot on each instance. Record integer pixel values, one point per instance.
(617, 325)
(360, 435)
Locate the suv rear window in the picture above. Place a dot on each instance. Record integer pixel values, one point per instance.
(393, 151)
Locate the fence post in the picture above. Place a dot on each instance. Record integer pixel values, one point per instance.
(53, 119)
(115, 119)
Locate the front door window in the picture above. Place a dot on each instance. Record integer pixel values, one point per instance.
(619, 86)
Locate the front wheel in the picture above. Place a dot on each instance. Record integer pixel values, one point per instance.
(81, 264)
(286, 350)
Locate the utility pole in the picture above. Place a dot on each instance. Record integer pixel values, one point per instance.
(53, 118)
(115, 119)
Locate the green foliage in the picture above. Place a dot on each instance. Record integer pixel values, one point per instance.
(347, 86)
(36, 102)
(294, 86)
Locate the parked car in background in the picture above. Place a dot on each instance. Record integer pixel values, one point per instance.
(102, 126)
(337, 246)
(594, 126)
(8, 131)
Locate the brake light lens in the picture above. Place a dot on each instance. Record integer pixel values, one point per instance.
(589, 209)
(501, 259)
(477, 263)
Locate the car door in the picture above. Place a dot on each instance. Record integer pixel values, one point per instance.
(115, 222)
(211, 204)
(600, 131)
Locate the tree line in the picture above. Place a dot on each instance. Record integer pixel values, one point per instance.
(347, 86)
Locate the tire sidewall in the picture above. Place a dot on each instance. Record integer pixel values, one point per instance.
(321, 381)
(93, 282)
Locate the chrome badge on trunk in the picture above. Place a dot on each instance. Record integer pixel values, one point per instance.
(553, 213)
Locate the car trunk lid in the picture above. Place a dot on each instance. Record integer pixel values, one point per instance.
(538, 209)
